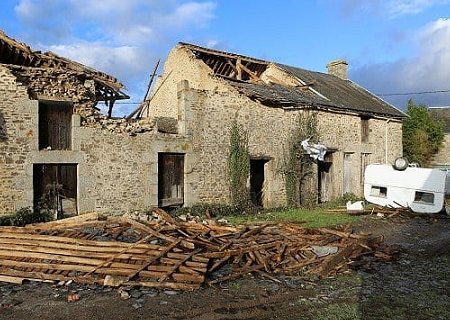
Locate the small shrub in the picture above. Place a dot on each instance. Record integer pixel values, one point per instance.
(24, 216)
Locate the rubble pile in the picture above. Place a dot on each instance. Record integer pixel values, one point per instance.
(133, 126)
(165, 252)
(119, 125)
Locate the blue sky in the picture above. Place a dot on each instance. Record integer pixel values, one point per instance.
(392, 46)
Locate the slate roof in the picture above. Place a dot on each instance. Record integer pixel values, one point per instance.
(328, 91)
(345, 94)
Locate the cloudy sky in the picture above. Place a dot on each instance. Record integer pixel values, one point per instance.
(398, 49)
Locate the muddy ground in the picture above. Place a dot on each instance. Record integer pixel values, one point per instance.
(415, 287)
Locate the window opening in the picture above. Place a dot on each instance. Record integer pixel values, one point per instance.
(364, 129)
(55, 125)
(425, 197)
(378, 192)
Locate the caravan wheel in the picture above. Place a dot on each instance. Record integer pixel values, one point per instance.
(400, 164)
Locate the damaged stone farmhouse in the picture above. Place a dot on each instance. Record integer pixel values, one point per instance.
(54, 141)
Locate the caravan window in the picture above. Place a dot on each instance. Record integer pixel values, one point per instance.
(425, 197)
(378, 192)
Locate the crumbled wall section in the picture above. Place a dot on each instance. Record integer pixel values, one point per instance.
(56, 84)
(180, 65)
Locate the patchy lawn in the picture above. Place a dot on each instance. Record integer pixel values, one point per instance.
(309, 218)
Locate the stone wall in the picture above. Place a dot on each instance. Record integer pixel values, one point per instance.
(119, 171)
(208, 116)
(117, 161)
(16, 142)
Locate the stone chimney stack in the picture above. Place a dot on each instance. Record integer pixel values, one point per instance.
(338, 68)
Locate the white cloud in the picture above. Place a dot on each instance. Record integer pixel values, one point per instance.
(393, 8)
(410, 7)
(121, 37)
(193, 12)
(427, 71)
(122, 61)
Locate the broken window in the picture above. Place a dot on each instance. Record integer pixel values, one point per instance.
(378, 192)
(170, 179)
(55, 125)
(364, 129)
(57, 183)
(425, 197)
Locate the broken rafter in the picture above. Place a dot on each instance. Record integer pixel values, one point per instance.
(146, 103)
(175, 259)
(152, 77)
(240, 66)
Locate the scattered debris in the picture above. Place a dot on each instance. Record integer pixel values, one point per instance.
(72, 297)
(358, 205)
(166, 253)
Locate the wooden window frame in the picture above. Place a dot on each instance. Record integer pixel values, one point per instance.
(365, 129)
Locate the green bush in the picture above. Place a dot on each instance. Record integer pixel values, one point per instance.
(24, 216)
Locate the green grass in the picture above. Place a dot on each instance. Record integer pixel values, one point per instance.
(334, 311)
(309, 218)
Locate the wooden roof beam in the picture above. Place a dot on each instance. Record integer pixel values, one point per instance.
(252, 75)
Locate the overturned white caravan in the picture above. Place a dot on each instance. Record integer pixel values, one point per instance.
(421, 189)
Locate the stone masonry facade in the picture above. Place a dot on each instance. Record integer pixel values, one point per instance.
(211, 114)
(206, 106)
(116, 160)
(191, 114)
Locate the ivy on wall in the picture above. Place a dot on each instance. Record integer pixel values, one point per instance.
(239, 165)
(298, 165)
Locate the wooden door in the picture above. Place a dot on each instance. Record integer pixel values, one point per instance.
(57, 182)
(347, 187)
(170, 179)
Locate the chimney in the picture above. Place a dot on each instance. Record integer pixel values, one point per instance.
(338, 68)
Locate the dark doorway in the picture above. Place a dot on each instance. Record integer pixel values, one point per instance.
(170, 179)
(58, 183)
(55, 125)
(257, 181)
(324, 179)
(3, 133)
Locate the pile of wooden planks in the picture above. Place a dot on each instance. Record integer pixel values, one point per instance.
(168, 253)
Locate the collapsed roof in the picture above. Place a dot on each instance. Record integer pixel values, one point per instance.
(313, 89)
(14, 53)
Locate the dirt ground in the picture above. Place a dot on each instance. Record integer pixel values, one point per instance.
(379, 293)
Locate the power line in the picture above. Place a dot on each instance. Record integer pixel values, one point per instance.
(378, 94)
(412, 93)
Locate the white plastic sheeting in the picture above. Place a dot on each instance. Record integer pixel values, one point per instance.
(316, 151)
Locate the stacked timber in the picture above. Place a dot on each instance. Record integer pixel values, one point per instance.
(168, 253)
